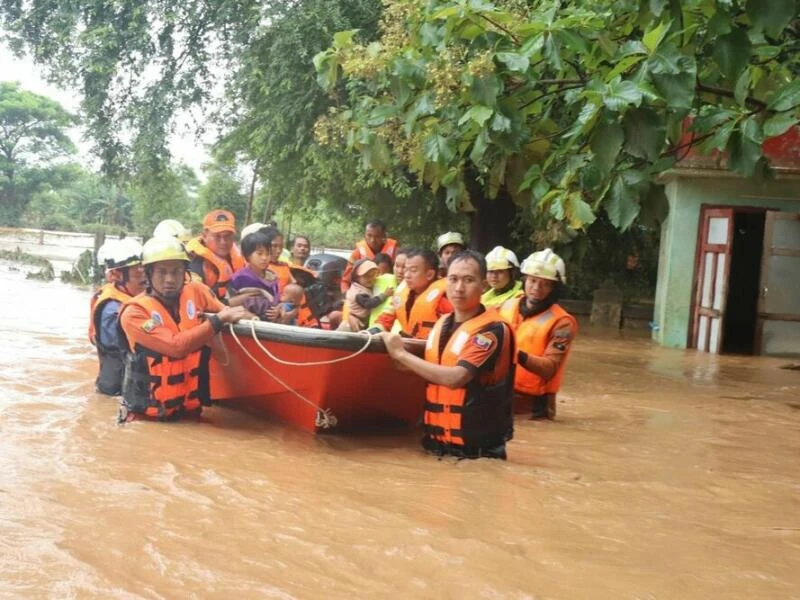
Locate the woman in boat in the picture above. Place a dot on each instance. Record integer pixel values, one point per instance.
(166, 370)
(469, 366)
(502, 265)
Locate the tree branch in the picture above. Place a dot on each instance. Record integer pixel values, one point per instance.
(511, 34)
(700, 87)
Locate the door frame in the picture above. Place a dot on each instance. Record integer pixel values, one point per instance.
(766, 253)
(702, 231)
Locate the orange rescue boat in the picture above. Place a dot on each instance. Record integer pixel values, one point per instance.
(321, 381)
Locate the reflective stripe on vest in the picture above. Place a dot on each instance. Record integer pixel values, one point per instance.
(478, 415)
(158, 385)
(490, 297)
(424, 312)
(533, 336)
(217, 272)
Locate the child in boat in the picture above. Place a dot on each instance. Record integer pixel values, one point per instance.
(256, 278)
(359, 300)
(291, 300)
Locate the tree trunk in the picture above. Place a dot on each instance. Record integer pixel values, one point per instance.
(251, 195)
(493, 218)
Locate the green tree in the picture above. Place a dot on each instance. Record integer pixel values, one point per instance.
(32, 136)
(222, 189)
(566, 107)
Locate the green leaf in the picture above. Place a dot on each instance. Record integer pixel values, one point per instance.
(479, 147)
(578, 212)
(772, 16)
(678, 90)
(621, 203)
(645, 133)
(779, 124)
(653, 38)
(606, 143)
(623, 65)
(743, 154)
(438, 149)
(742, 88)
(620, 94)
(732, 53)
(484, 90)
(533, 174)
(446, 12)
(501, 123)
(344, 39)
(422, 107)
(719, 140)
(514, 62)
(751, 130)
(666, 60)
(786, 98)
(657, 6)
(477, 114)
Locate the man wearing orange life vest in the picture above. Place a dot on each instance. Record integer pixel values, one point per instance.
(544, 333)
(214, 255)
(420, 303)
(374, 242)
(122, 260)
(166, 368)
(469, 366)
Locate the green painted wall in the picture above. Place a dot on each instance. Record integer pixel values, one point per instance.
(686, 193)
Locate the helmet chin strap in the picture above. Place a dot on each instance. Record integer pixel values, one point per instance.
(528, 308)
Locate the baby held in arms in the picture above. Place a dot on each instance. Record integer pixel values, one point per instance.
(291, 301)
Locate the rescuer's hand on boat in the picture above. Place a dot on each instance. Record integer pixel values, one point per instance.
(234, 314)
(393, 343)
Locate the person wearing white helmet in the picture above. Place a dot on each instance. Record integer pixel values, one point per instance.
(166, 368)
(544, 332)
(501, 276)
(172, 228)
(447, 246)
(122, 260)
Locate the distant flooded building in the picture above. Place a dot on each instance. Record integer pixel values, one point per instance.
(729, 264)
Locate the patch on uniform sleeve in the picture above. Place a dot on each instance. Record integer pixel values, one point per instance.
(481, 341)
(148, 326)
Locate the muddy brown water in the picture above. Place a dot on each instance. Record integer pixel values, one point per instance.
(668, 474)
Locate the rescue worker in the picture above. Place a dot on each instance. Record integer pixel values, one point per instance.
(420, 303)
(374, 241)
(447, 246)
(502, 265)
(166, 369)
(301, 248)
(544, 333)
(122, 260)
(469, 366)
(214, 255)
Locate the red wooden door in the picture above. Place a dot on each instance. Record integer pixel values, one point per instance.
(714, 244)
(778, 331)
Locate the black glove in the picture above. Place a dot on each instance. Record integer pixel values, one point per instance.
(522, 357)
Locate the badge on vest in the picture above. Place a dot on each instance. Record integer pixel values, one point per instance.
(156, 318)
(148, 326)
(191, 309)
(482, 342)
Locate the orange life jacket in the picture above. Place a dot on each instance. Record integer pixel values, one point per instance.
(217, 271)
(389, 248)
(108, 292)
(157, 385)
(306, 318)
(424, 312)
(283, 271)
(533, 336)
(110, 358)
(478, 415)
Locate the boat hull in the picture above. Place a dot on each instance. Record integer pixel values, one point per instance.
(359, 393)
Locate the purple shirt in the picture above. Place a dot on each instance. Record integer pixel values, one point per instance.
(248, 278)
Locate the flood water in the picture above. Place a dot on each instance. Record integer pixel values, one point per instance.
(668, 474)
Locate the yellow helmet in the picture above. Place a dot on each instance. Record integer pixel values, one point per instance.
(172, 228)
(545, 264)
(451, 237)
(163, 248)
(499, 259)
(117, 254)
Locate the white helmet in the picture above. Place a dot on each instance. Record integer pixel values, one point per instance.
(499, 259)
(451, 237)
(117, 254)
(252, 228)
(172, 228)
(545, 264)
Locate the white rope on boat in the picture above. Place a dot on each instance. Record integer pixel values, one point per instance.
(313, 363)
(324, 419)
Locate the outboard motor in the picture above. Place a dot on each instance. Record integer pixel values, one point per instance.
(321, 277)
